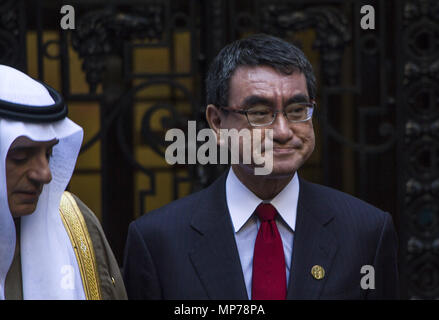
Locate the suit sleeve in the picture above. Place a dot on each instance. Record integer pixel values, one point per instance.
(386, 264)
(140, 276)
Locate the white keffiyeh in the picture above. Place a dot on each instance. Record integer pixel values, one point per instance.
(47, 256)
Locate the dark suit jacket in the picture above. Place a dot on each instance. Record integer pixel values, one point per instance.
(187, 250)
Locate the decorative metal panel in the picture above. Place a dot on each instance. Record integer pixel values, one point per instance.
(377, 121)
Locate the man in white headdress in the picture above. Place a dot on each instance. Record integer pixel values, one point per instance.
(51, 245)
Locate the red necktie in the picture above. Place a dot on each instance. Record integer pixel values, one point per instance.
(269, 274)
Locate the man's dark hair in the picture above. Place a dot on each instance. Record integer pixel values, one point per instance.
(256, 50)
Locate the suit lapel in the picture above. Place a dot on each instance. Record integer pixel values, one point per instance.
(215, 255)
(313, 245)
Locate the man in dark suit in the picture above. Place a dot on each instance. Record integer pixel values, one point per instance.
(272, 236)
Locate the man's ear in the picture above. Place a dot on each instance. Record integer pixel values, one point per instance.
(213, 117)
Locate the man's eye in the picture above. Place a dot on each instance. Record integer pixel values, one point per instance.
(295, 109)
(18, 159)
(17, 155)
(259, 111)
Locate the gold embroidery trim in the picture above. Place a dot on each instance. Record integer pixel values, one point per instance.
(78, 233)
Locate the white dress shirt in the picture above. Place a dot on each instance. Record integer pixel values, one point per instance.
(242, 203)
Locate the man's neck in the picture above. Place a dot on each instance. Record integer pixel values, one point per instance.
(264, 187)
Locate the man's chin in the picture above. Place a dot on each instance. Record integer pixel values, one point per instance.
(277, 172)
(280, 173)
(23, 210)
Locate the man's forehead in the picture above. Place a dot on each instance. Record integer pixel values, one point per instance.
(25, 142)
(262, 72)
(263, 80)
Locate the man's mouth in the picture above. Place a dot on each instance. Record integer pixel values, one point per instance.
(278, 149)
(284, 151)
(28, 195)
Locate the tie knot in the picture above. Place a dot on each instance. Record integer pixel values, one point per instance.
(266, 212)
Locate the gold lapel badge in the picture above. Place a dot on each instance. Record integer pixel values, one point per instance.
(318, 272)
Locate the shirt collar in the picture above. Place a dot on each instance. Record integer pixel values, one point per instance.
(242, 202)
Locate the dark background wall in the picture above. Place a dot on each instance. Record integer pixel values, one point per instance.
(130, 70)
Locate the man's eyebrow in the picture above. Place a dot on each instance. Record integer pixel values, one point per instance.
(297, 98)
(254, 100)
(31, 147)
(18, 148)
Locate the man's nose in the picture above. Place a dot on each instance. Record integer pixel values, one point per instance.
(40, 171)
(282, 131)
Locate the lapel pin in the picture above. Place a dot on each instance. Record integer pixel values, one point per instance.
(318, 272)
